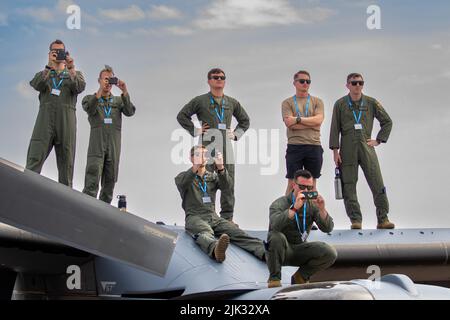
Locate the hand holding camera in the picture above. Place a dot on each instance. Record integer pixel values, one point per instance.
(299, 201)
(310, 195)
(69, 61)
(218, 160)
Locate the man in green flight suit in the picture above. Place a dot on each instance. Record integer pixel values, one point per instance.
(352, 120)
(215, 111)
(291, 219)
(198, 187)
(56, 125)
(105, 117)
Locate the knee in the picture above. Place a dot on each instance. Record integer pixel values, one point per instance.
(329, 254)
(277, 240)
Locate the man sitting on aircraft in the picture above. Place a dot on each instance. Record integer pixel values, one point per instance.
(198, 188)
(291, 219)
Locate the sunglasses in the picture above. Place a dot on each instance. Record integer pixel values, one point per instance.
(303, 187)
(354, 83)
(302, 81)
(217, 77)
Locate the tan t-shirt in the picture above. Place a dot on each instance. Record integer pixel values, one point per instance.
(302, 136)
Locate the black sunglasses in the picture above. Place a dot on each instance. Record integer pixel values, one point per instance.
(303, 187)
(302, 81)
(354, 83)
(217, 77)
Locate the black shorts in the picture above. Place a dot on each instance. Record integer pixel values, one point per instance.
(304, 156)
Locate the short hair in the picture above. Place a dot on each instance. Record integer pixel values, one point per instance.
(302, 173)
(195, 148)
(302, 72)
(57, 41)
(215, 71)
(354, 75)
(106, 69)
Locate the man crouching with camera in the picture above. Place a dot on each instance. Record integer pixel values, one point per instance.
(105, 117)
(291, 219)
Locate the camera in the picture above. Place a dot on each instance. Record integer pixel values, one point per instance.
(113, 80)
(310, 195)
(61, 54)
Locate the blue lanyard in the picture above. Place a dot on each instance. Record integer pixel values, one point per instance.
(221, 115)
(306, 107)
(204, 186)
(304, 215)
(357, 119)
(107, 111)
(54, 83)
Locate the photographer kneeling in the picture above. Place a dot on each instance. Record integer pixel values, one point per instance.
(291, 219)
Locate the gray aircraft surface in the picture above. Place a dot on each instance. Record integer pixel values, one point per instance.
(57, 243)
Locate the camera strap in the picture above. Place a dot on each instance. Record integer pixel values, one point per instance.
(106, 106)
(59, 83)
(221, 115)
(306, 107)
(357, 119)
(203, 186)
(303, 234)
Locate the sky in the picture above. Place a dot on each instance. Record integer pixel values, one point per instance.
(163, 50)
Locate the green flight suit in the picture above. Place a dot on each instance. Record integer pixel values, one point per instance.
(285, 243)
(205, 110)
(286, 246)
(354, 151)
(201, 219)
(104, 142)
(56, 122)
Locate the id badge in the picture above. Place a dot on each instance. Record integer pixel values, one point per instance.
(56, 92)
(222, 126)
(108, 121)
(304, 236)
(206, 199)
(358, 126)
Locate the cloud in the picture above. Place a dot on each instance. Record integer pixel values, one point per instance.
(132, 13)
(39, 14)
(163, 12)
(24, 89)
(3, 20)
(63, 4)
(233, 14)
(179, 31)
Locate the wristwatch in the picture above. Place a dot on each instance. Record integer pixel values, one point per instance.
(299, 119)
(48, 67)
(293, 208)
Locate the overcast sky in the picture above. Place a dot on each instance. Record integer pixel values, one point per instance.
(163, 50)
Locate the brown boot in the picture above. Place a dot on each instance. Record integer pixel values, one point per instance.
(221, 247)
(356, 225)
(273, 283)
(297, 278)
(386, 224)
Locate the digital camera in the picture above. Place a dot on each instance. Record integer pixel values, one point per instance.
(310, 195)
(113, 80)
(61, 54)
